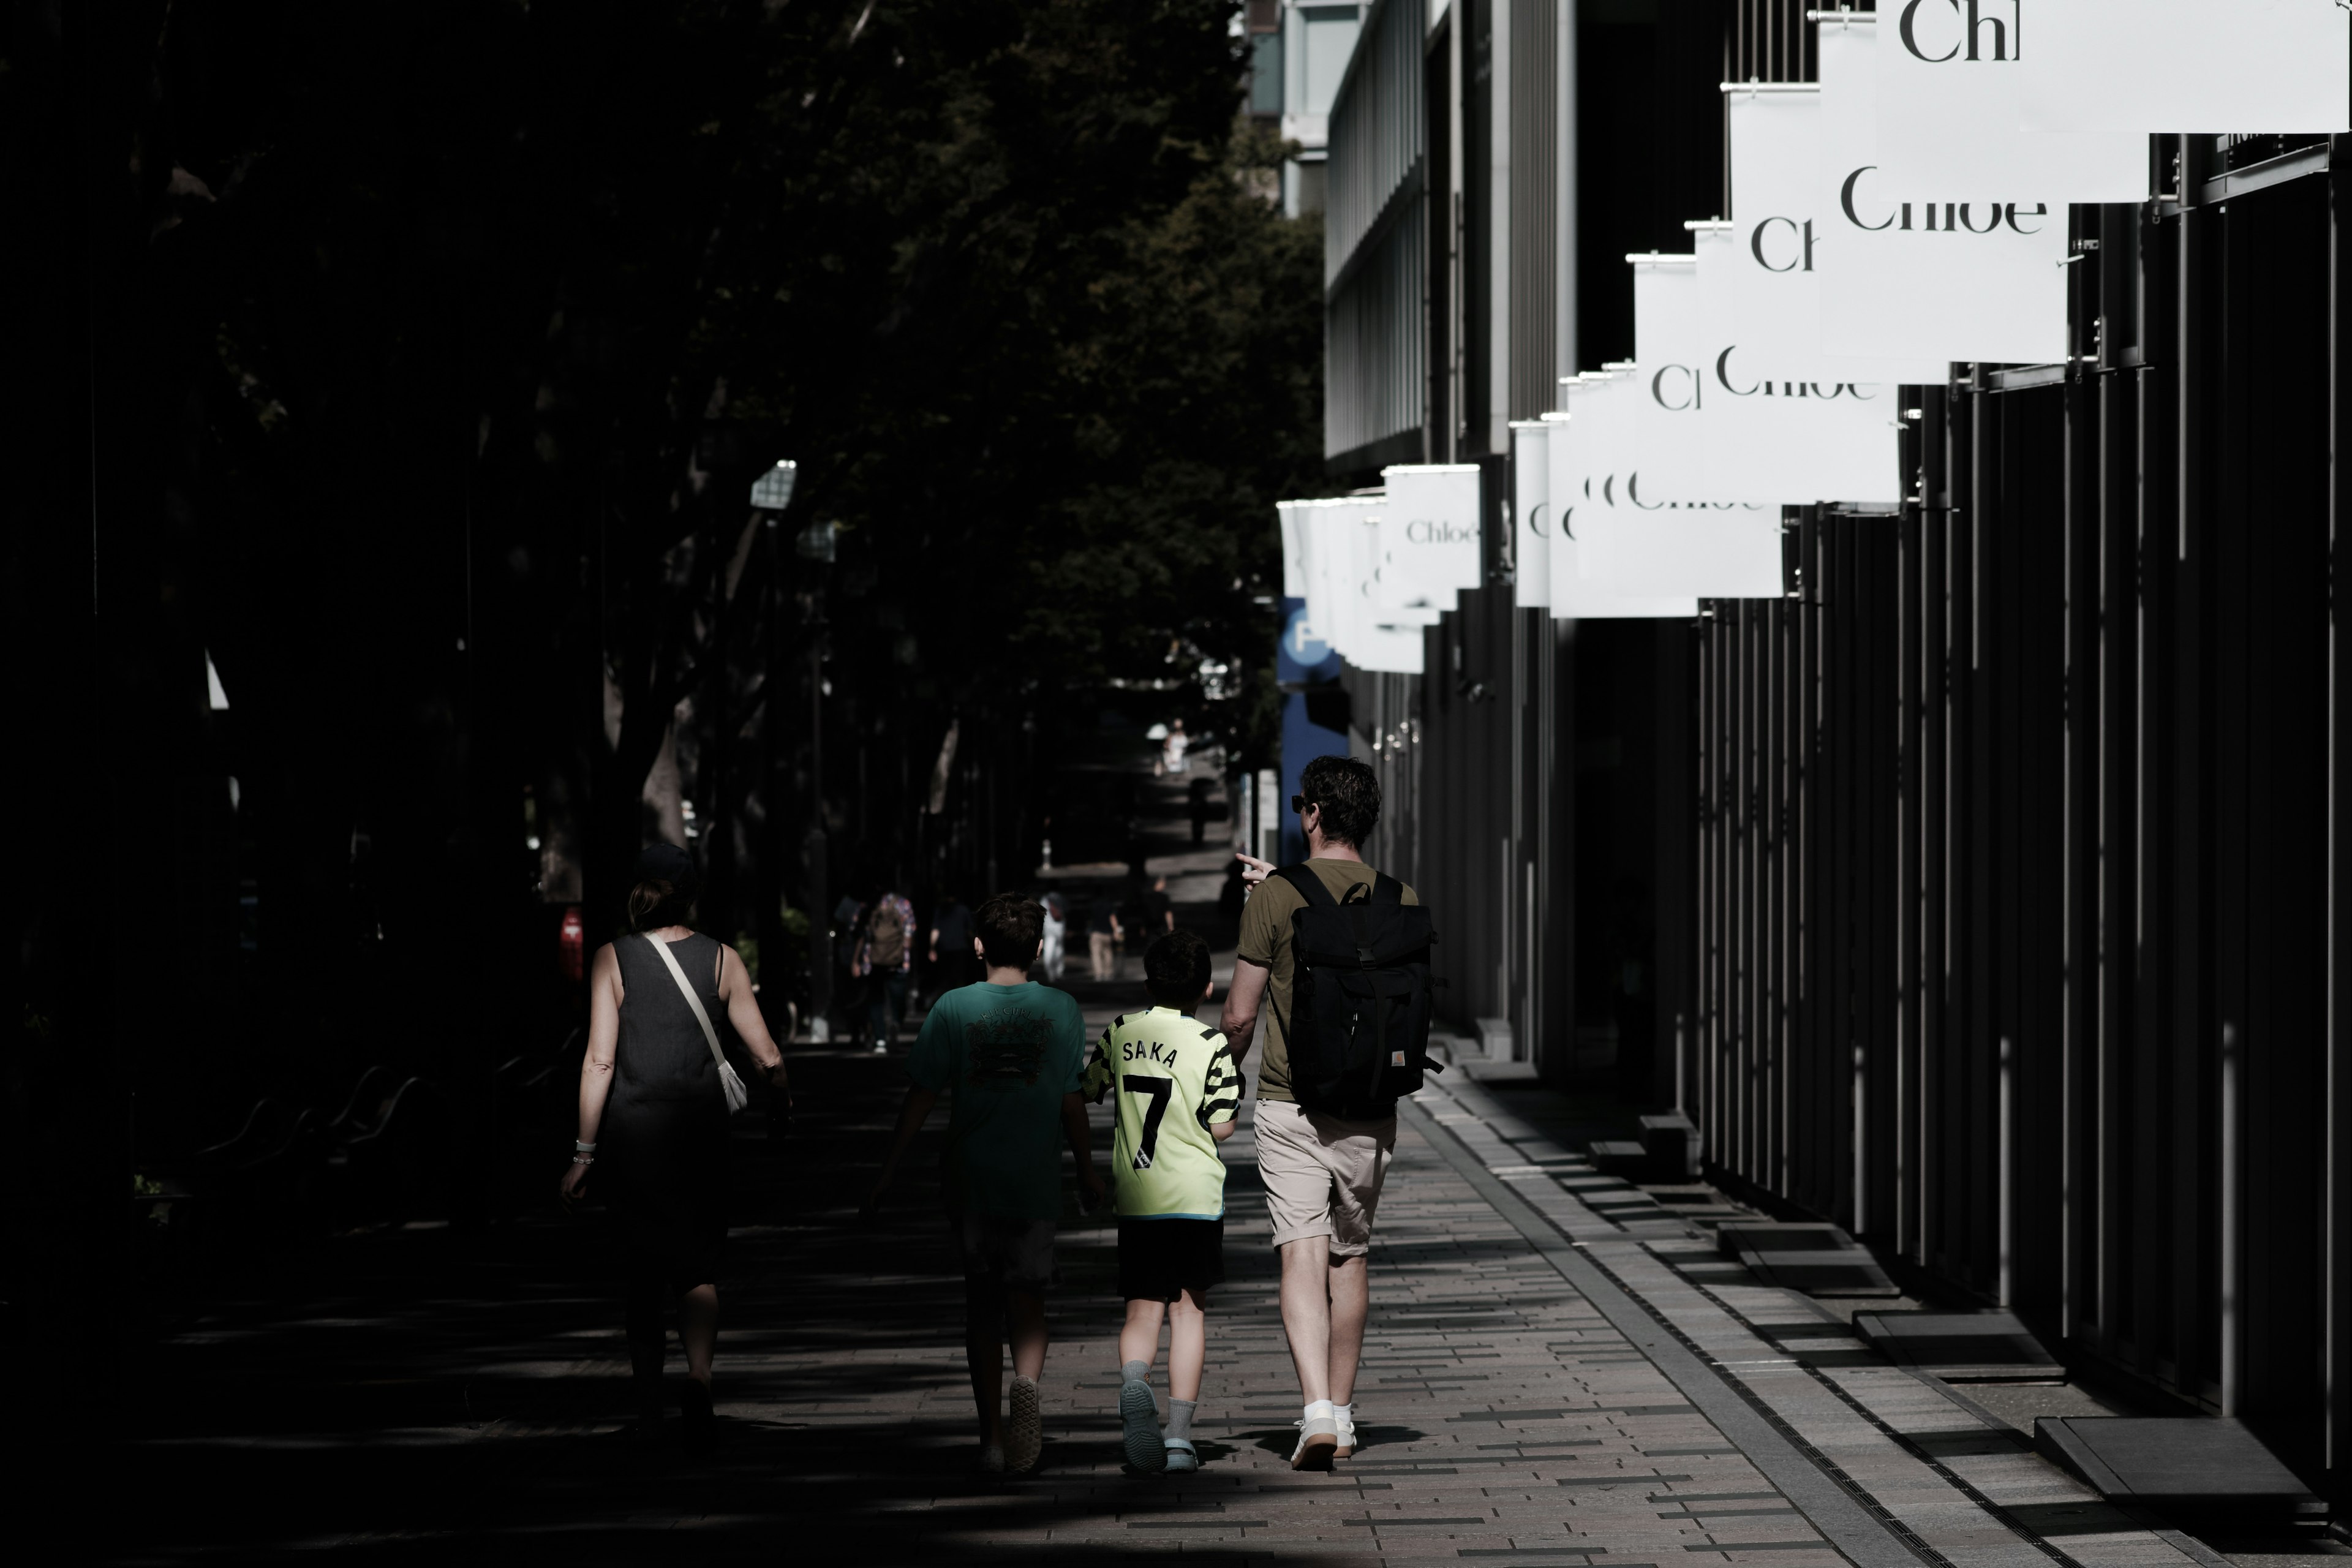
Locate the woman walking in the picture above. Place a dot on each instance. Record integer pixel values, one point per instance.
(653, 1123)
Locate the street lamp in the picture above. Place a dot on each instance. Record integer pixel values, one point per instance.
(773, 491)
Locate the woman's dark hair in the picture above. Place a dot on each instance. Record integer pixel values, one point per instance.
(1349, 793)
(1176, 970)
(1009, 925)
(656, 902)
(666, 882)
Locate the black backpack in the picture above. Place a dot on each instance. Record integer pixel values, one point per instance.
(1358, 1032)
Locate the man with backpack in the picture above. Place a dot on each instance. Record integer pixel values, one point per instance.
(1338, 956)
(886, 955)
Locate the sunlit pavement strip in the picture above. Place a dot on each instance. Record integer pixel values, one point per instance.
(1653, 1416)
(1956, 1487)
(1542, 1385)
(1505, 1419)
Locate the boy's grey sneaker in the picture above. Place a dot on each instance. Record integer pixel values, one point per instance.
(1139, 1413)
(1319, 1443)
(991, 1460)
(1025, 1428)
(1181, 1458)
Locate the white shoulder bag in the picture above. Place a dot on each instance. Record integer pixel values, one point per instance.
(738, 1097)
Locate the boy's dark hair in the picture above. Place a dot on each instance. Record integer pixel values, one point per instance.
(1349, 793)
(1010, 926)
(1176, 970)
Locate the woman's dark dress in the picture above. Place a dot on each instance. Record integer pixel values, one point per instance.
(665, 1130)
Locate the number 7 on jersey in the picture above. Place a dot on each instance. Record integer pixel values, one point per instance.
(1158, 1088)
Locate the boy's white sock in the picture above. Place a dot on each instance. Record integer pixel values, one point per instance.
(1321, 1409)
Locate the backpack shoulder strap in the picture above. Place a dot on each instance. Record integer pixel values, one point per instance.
(1387, 889)
(1310, 887)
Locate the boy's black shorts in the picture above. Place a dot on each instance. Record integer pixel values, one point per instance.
(1159, 1259)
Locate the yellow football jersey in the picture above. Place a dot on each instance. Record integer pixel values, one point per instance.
(1172, 1078)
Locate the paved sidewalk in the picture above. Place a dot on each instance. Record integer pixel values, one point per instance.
(1894, 1468)
(1558, 1372)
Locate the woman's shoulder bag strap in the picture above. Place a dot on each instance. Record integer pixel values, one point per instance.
(738, 1097)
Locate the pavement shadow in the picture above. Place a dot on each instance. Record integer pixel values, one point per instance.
(1964, 1444)
(400, 1395)
(2056, 1521)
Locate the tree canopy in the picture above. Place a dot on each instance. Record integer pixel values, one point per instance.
(438, 345)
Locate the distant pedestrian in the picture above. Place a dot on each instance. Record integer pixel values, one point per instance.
(1323, 1164)
(1013, 1054)
(1103, 933)
(1175, 1089)
(1155, 914)
(1171, 750)
(653, 1112)
(885, 956)
(952, 963)
(1057, 924)
(849, 987)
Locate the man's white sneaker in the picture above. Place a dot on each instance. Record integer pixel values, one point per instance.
(1318, 1441)
(1025, 1428)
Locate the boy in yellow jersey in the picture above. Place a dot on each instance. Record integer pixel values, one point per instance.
(1176, 1090)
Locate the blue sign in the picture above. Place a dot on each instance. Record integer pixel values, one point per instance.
(1301, 656)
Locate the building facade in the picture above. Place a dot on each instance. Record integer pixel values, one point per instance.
(1988, 894)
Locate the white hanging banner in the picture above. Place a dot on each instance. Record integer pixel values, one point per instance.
(1773, 291)
(1531, 513)
(1378, 642)
(1665, 307)
(1429, 536)
(1923, 271)
(1951, 99)
(1564, 437)
(1705, 552)
(1294, 547)
(1320, 555)
(1670, 405)
(1642, 537)
(1780, 224)
(1577, 444)
(1789, 443)
(1379, 605)
(2150, 67)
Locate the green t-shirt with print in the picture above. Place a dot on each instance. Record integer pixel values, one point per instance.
(1005, 1055)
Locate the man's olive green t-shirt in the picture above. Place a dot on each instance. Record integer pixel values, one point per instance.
(1265, 942)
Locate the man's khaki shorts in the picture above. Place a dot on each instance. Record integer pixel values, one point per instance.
(1322, 1174)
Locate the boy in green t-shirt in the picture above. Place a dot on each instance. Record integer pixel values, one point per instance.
(1009, 1054)
(1176, 1090)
